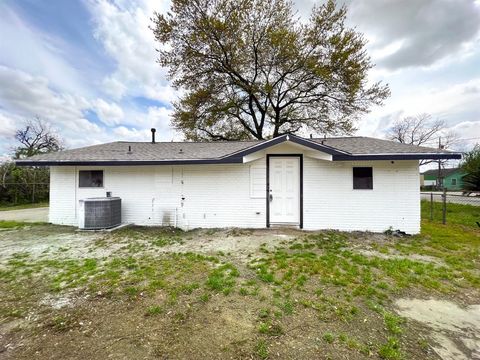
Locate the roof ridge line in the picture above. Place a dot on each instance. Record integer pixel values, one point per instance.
(185, 142)
(336, 137)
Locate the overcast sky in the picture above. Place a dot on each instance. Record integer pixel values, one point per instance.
(89, 68)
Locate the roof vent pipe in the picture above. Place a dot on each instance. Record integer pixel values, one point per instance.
(153, 135)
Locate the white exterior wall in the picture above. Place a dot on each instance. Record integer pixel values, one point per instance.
(331, 202)
(214, 196)
(63, 185)
(229, 195)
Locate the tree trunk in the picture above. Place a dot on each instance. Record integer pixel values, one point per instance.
(33, 188)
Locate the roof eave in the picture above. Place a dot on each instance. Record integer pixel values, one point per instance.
(419, 156)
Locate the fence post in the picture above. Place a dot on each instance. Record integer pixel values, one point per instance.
(431, 206)
(444, 209)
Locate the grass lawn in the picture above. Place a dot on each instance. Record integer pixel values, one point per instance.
(459, 214)
(7, 207)
(163, 293)
(10, 224)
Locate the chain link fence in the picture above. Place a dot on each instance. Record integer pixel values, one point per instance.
(437, 203)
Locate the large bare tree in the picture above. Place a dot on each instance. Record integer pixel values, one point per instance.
(36, 137)
(253, 69)
(28, 184)
(422, 130)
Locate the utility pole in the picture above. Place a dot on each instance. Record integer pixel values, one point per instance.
(441, 185)
(439, 177)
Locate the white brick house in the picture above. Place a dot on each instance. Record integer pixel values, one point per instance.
(353, 183)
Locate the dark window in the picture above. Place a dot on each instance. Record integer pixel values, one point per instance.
(90, 178)
(454, 181)
(362, 178)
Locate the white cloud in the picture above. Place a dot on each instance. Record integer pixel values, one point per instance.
(7, 128)
(457, 97)
(123, 29)
(23, 96)
(26, 95)
(469, 134)
(410, 33)
(109, 113)
(456, 104)
(131, 134)
(113, 87)
(36, 78)
(154, 117)
(29, 49)
(158, 116)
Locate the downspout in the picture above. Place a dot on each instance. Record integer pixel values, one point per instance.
(75, 197)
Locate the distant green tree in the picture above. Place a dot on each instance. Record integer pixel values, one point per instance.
(471, 166)
(20, 185)
(253, 69)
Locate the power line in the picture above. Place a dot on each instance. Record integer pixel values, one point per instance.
(434, 141)
(475, 138)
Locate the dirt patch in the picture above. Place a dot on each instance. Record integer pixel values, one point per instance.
(455, 330)
(239, 245)
(59, 301)
(51, 242)
(414, 257)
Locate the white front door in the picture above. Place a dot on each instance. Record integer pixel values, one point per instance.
(284, 190)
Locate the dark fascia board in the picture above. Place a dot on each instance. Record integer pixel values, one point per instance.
(418, 156)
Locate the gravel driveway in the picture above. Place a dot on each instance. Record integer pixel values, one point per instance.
(28, 215)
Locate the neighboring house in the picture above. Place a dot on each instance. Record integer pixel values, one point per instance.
(451, 179)
(349, 183)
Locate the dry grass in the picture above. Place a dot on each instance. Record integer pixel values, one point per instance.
(139, 293)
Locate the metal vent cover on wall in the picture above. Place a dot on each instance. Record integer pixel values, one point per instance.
(100, 213)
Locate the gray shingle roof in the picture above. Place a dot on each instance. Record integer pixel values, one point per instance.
(360, 145)
(146, 151)
(344, 148)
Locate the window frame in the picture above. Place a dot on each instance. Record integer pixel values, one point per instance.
(92, 187)
(353, 177)
(454, 182)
